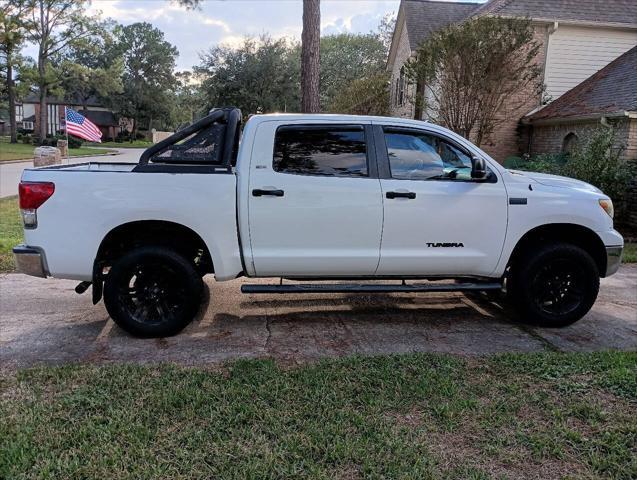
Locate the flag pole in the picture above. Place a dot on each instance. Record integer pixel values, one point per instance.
(66, 129)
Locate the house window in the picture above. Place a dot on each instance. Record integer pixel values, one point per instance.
(53, 119)
(569, 144)
(19, 113)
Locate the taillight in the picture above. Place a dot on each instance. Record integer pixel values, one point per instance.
(32, 196)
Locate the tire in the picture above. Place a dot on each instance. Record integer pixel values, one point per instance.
(555, 285)
(152, 292)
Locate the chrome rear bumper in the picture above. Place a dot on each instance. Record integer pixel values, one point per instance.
(613, 259)
(29, 261)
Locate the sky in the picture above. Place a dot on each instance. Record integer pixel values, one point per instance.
(229, 21)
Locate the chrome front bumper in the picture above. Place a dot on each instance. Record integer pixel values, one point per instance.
(29, 261)
(613, 259)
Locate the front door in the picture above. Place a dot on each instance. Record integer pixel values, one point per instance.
(315, 206)
(438, 221)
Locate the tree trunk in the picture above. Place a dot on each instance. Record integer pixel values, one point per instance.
(133, 133)
(11, 94)
(43, 114)
(42, 59)
(310, 56)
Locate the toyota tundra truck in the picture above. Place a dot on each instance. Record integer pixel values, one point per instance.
(327, 201)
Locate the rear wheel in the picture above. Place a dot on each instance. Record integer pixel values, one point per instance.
(152, 292)
(555, 285)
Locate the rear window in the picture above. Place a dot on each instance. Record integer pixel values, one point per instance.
(332, 151)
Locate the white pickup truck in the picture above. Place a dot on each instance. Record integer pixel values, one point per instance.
(315, 197)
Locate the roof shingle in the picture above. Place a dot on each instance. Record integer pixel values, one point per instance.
(423, 17)
(606, 11)
(612, 89)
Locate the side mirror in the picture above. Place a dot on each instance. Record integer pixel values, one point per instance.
(478, 168)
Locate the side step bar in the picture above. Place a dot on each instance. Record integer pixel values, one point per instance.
(368, 288)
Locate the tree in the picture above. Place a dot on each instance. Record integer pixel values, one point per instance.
(363, 96)
(148, 79)
(12, 36)
(90, 70)
(476, 73)
(54, 26)
(386, 29)
(347, 57)
(310, 56)
(188, 103)
(260, 76)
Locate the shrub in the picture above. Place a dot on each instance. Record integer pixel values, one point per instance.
(52, 141)
(74, 142)
(597, 161)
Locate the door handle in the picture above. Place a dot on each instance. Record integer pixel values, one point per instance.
(410, 195)
(258, 192)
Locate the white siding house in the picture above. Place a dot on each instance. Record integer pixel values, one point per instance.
(575, 53)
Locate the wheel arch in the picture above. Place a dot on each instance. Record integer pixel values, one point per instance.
(149, 232)
(572, 233)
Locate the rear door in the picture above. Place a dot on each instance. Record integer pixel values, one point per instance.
(315, 205)
(437, 219)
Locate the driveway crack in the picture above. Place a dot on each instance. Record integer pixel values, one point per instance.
(544, 341)
(268, 328)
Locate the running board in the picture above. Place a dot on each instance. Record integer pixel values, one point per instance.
(369, 288)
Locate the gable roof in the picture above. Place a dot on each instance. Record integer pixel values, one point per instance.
(423, 17)
(621, 12)
(611, 90)
(100, 118)
(69, 100)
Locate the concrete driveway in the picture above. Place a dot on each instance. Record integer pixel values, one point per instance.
(45, 321)
(10, 172)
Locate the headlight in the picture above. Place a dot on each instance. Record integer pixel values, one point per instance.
(607, 205)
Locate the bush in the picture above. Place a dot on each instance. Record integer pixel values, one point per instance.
(52, 141)
(597, 161)
(74, 142)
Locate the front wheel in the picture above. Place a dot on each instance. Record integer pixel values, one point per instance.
(555, 285)
(152, 292)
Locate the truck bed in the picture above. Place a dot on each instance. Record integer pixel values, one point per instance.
(91, 199)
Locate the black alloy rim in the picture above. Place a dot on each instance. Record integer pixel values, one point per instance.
(558, 287)
(152, 293)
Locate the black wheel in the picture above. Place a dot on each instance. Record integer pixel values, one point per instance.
(555, 285)
(152, 292)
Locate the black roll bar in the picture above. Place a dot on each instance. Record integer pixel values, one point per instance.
(231, 116)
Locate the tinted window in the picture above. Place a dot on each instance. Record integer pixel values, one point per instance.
(337, 152)
(419, 156)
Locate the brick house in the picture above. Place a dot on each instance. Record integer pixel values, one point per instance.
(608, 97)
(28, 115)
(577, 40)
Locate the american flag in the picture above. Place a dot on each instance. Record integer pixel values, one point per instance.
(82, 127)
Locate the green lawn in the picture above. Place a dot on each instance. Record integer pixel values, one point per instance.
(135, 144)
(630, 253)
(414, 416)
(10, 232)
(20, 151)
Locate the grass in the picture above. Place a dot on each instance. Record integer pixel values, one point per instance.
(134, 144)
(630, 253)
(411, 416)
(20, 151)
(10, 232)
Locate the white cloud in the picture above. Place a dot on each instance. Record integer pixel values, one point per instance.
(215, 22)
